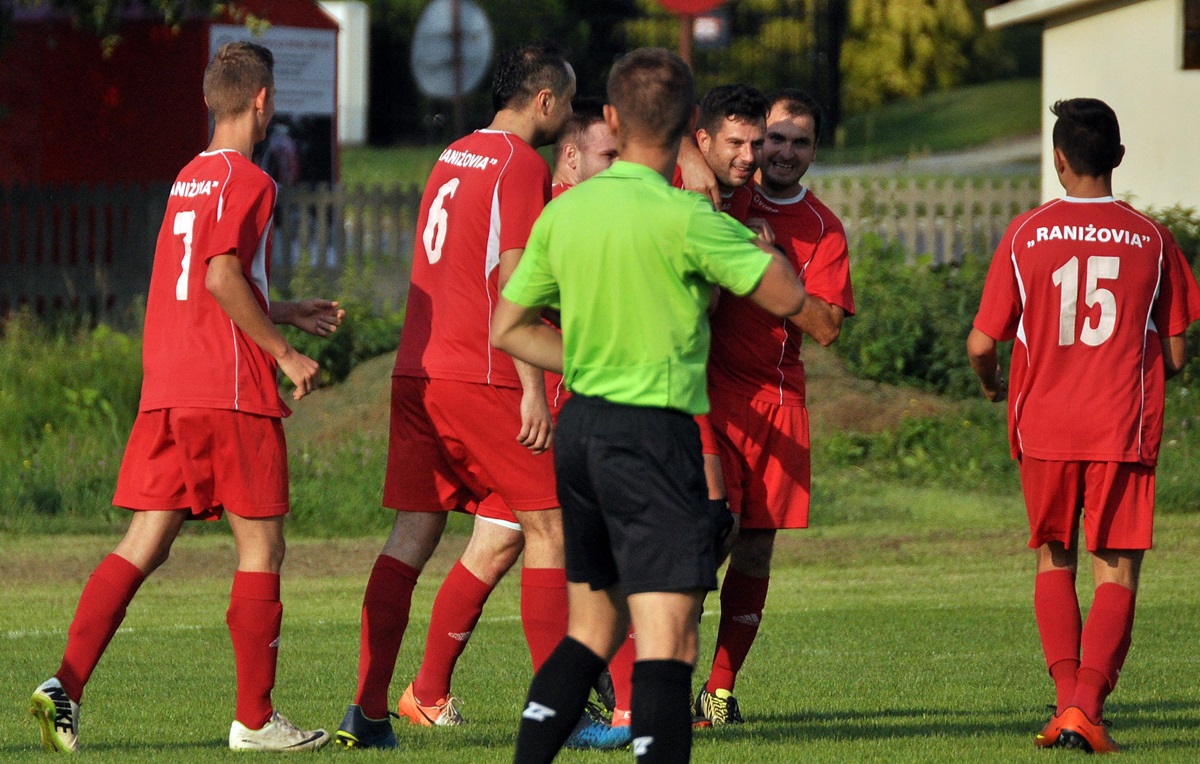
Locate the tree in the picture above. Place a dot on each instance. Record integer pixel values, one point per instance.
(902, 48)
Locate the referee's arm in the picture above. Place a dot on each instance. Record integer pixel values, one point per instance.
(521, 332)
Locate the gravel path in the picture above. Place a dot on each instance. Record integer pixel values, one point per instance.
(1013, 155)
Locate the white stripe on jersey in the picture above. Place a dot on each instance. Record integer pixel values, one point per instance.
(491, 259)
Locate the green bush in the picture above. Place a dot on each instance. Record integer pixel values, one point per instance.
(1184, 224)
(913, 319)
(367, 331)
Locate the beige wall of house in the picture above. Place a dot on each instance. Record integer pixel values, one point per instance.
(1128, 53)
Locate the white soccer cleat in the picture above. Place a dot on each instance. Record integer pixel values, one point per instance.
(57, 715)
(279, 734)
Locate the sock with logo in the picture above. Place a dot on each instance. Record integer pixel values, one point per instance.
(254, 617)
(555, 702)
(543, 610)
(456, 611)
(384, 619)
(742, 600)
(662, 716)
(620, 668)
(1059, 624)
(102, 606)
(1107, 635)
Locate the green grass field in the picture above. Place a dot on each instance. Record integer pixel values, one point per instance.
(883, 641)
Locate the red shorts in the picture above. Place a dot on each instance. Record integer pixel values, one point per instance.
(205, 460)
(556, 393)
(708, 439)
(1116, 499)
(766, 459)
(454, 445)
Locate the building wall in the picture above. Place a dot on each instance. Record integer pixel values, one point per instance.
(354, 19)
(1129, 55)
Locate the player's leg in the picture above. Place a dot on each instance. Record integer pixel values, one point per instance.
(743, 598)
(101, 610)
(543, 582)
(1060, 624)
(492, 550)
(667, 629)
(387, 602)
(599, 621)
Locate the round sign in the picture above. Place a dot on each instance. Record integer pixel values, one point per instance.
(690, 7)
(433, 48)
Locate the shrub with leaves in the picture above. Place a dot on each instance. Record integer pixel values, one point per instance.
(912, 318)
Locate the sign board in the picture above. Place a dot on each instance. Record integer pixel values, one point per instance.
(299, 144)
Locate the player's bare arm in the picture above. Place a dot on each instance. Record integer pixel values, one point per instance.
(985, 362)
(820, 320)
(315, 316)
(697, 175)
(537, 425)
(228, 286)
(780, 290)
(1174, 355)
(520, 332)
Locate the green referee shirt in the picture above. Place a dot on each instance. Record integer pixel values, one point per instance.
(629, 261)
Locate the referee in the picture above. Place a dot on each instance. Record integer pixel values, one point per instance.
(630, 262)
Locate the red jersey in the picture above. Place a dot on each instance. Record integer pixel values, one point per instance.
(481, 199)
(755, 353)
(1087, 287)
(734, 204)
(193, 355)
(557, 188)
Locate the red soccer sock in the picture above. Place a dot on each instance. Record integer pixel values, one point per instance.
(254, 617)
(1060, 626)
(384, 619)
(620, 668)
(742, 601)
(100, 612)
(456, 610)
(543, 611)
(1107, 635)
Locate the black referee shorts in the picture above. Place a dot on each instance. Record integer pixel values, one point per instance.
(631, 483)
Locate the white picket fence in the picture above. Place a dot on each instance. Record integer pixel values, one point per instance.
(89, 249)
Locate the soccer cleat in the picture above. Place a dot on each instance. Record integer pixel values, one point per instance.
(1082, 733)
(357, 731)
(278, 734)
(57, 715)
(444, 713)
(1048, 737)
(595, 733)
(717, 708)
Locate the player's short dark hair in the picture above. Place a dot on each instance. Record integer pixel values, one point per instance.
(653, 92)
(585, 112)
(234, 76)
(522, 73)
(744, 103)
(797, 103)
(1088, 135)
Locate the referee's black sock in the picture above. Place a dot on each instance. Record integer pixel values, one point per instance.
(662, 714)
(556, 699)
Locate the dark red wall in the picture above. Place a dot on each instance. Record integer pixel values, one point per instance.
(70, 115)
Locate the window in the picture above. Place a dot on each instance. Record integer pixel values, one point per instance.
(1191, 34)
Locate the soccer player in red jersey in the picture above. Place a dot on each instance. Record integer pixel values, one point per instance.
(208, 437)
(470, 428)
(1096, 297)
(585, 146)
(757, 387)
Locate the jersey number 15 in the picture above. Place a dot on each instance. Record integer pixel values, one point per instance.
(1066, 279)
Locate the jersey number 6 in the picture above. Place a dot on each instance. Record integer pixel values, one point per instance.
(434, 235)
